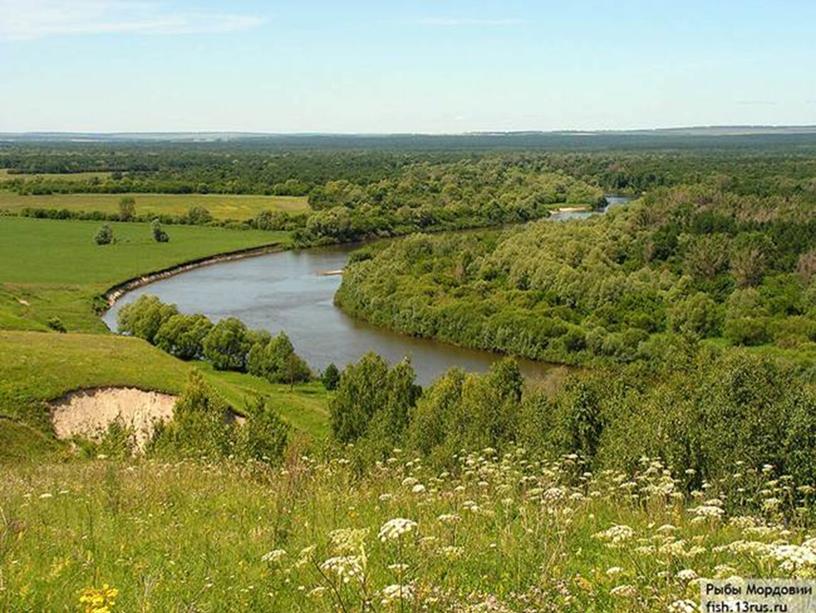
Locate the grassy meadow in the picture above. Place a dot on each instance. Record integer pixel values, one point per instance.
(36, 367)
(505, 534)
(53, 268)
(221, 206)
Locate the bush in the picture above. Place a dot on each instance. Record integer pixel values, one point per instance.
(202, 425)
(330, 377)
(159, 235)
(264, 436)
(55, 323)
(198, 215)
(127, 208)
(104, 236)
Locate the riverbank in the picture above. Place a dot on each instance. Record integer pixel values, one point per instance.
(111, 295)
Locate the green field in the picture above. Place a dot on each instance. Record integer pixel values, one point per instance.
(221, 206)
(53, 268)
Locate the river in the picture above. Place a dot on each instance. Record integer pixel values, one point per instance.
(286, 291)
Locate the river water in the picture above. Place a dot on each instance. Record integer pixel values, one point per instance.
(286, 291)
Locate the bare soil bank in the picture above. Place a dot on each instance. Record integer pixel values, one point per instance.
(88, 413)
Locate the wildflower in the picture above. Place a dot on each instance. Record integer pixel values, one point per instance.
(396, 592)
(452, 553)
(98, 600)
(418, 489)
(687, 575)
(317, 592)
(706, 511)
(616, 535)
(449, 518)
(683, 606)
(274, 556)
(394, 528)
(46, 495)
(410, 481)
(614, 570)
(347, 540)
(398, 568)
(624, 591)
(345, 567)
(793, 557)
(385, 497)
(306, 554)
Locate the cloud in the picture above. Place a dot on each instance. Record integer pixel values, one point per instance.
(757, 102)
(453, 22)
(31, 19)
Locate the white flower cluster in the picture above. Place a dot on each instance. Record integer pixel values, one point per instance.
(345, 567)
(395, 593)
(683, 606)
(616, 535)
(347, 540)
(393, 529)
(276, 555)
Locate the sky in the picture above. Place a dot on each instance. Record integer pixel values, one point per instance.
(389, 66)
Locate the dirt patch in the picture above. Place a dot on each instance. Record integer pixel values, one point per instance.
(88, 413)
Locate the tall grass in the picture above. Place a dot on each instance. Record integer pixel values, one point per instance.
(498, 533)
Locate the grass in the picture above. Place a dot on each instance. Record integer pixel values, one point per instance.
(36, 367)
(53, 268)
(494, 534)
(221, 206)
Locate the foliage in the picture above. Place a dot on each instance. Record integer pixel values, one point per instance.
(159, 235)
(183, 335)
(127, 208)
(373, 399)
(104, 236)
(227, 345)
(144, 317)
(330, 378)
(686, 260)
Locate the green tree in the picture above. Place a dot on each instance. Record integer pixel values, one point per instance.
(183, 335)
(275, 360)
(202, 425)
(363, 391)
(144, 317)
(226, 346)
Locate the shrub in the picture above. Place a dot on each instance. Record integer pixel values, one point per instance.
(264, 436)
(55, 323)
(104, 236)
(202, 425)
(198, 215)
(330, 377)
(159, 235)
(127, 208)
